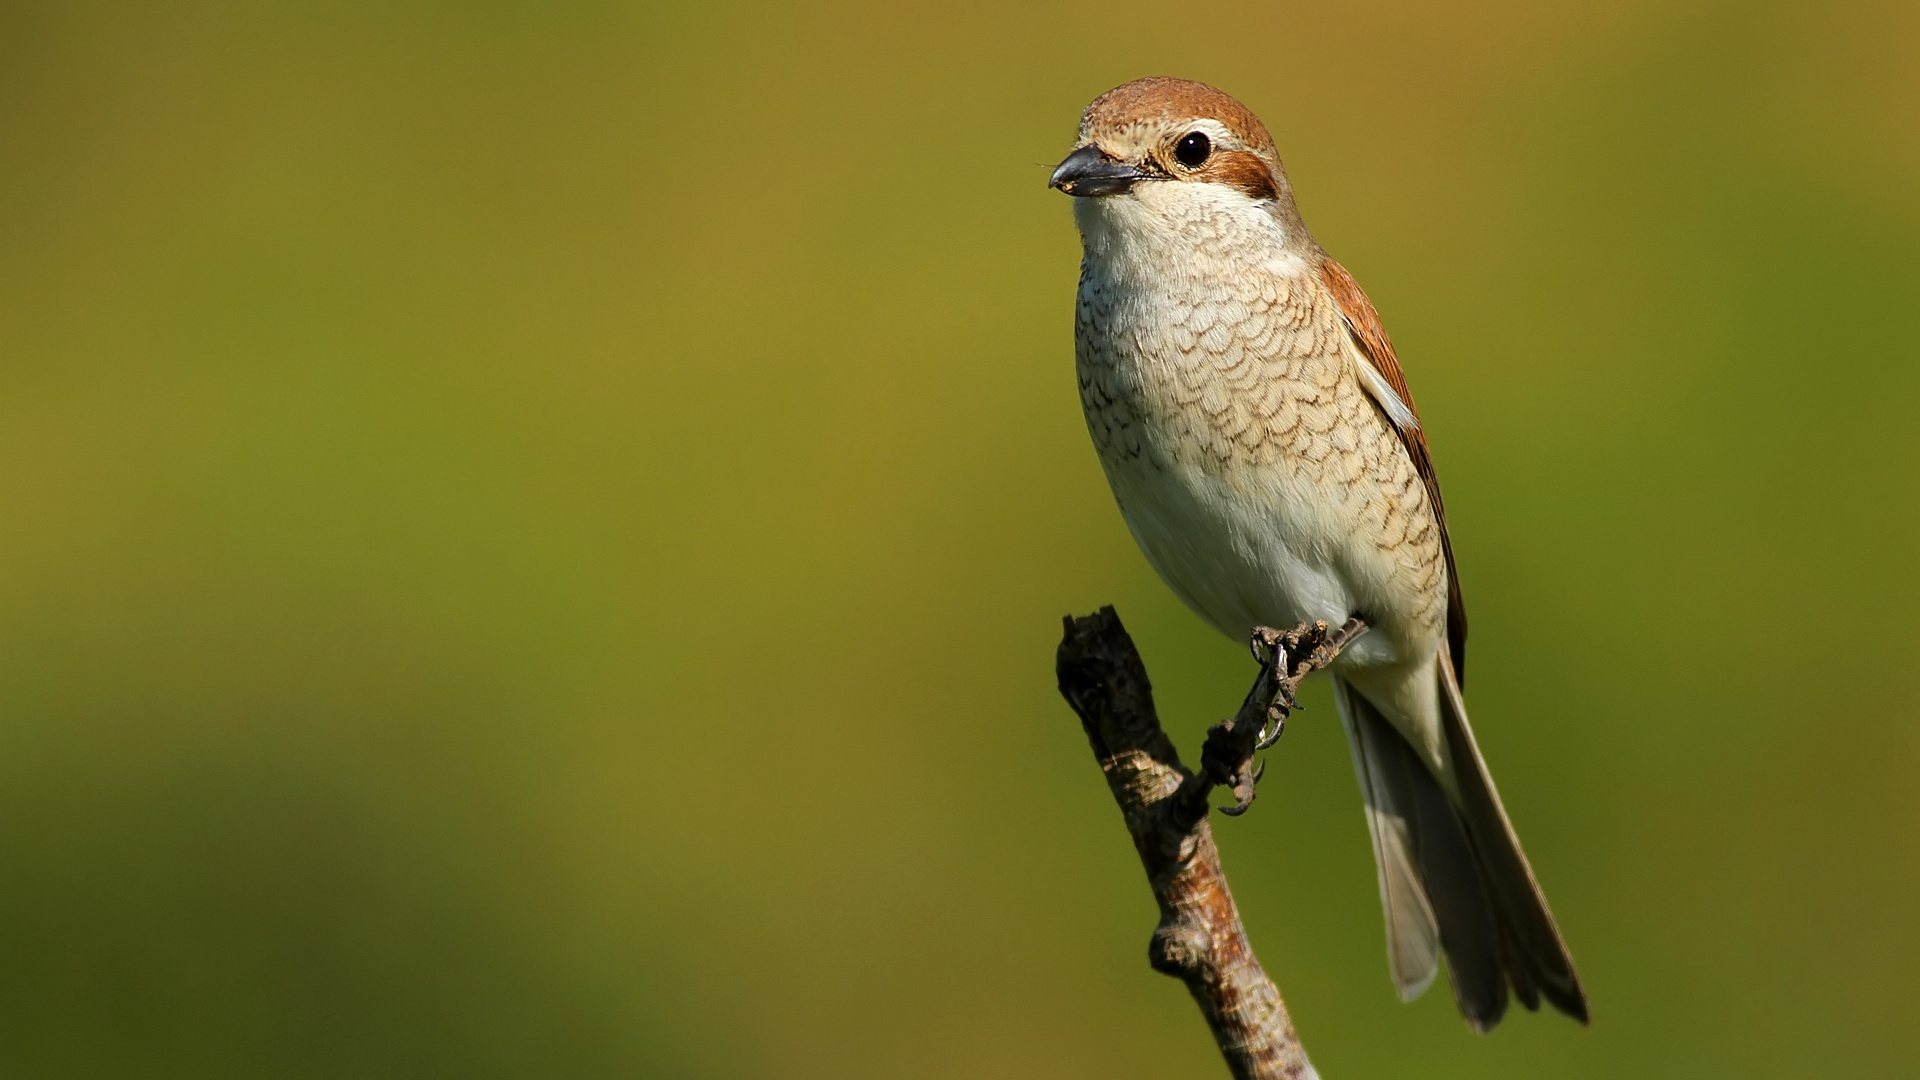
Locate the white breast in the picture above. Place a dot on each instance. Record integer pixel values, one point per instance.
(1257, 475)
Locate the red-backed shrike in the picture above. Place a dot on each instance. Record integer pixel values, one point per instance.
(1260, 439)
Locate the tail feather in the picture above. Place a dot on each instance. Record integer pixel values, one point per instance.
(1537, 956)
(1468, 930)
(1426, 864)
(1452, 876)
(1522, 974)
(1387, 786)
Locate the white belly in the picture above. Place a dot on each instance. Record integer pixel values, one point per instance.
(1259, 548)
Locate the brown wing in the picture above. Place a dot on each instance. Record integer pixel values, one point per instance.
(1364, 324)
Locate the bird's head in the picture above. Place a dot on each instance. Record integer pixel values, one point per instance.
(1170, 149)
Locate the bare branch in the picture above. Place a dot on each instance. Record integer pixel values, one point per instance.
(1200, 939)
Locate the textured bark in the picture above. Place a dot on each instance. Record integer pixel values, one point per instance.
(1200, 939)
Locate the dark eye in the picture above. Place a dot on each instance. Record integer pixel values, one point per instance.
(1192, 149)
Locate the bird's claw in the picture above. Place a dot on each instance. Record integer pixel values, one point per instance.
(1263, 642)
(1270, 733)
(1229, 757)
(1285, 658)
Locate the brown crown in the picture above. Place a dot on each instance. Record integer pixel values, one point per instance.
(1163, 100)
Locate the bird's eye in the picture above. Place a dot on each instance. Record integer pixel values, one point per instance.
(1192, 149)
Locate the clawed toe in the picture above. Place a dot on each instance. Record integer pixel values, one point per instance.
(1285, 658)
(1264, 642)
(1270, 734)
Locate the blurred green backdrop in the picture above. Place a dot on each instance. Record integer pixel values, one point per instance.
(535, 534)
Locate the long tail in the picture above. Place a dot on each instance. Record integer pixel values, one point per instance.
(1452, 876)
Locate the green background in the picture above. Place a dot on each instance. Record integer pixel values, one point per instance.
(534, 534)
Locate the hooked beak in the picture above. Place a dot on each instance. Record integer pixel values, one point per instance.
(1090, 172)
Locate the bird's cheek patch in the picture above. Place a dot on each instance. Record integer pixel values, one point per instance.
(1244, 171)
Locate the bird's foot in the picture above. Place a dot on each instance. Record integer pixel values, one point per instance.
(1285, 658)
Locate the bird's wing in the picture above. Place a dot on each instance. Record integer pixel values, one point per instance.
(1388, 386)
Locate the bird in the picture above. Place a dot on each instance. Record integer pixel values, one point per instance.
(1257, 432)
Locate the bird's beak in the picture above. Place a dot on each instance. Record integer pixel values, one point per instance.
(1088, 171)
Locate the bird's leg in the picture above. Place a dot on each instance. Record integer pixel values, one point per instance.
(1285, 658)
(1227, 757)
(1272, 649)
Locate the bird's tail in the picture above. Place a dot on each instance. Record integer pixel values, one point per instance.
(1452, 876)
